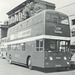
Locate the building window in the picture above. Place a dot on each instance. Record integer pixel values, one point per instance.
(73, 22)
(17, 16)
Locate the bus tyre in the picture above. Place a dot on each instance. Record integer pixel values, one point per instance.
(30, 63)
(67, 68)
(72, 67)
(10, 61)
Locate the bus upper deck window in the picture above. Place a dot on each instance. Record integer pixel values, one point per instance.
(63, 20)
(55, 20)
(51, 17)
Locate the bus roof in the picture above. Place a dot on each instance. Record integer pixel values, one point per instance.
(54, 11)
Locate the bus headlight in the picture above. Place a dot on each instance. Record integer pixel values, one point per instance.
(65, 58)
(51, 58)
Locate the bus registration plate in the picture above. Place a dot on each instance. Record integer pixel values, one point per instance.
(57, 65)
(58, 57)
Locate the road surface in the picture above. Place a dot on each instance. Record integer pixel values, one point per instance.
(12, 69)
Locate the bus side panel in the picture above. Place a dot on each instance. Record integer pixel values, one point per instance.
(33, 26)
(15, 55)
(20, 56)
(29, 49)
(38, 59)
(38, 29)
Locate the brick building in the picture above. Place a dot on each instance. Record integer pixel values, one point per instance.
(3, 31)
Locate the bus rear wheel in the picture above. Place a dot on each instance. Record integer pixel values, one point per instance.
(29, 63)
(2, 55)
(10, 60)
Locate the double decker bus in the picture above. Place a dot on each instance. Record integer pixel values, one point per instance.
(42, 40)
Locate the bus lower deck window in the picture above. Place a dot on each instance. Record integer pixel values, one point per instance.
(39, 45)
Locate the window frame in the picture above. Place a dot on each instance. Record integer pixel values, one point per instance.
(73, 21)
(23, 47)
(40, 48)
(66, 46)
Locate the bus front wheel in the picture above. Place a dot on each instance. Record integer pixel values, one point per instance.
(29, 63)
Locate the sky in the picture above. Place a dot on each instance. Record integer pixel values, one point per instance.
(7, 5)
